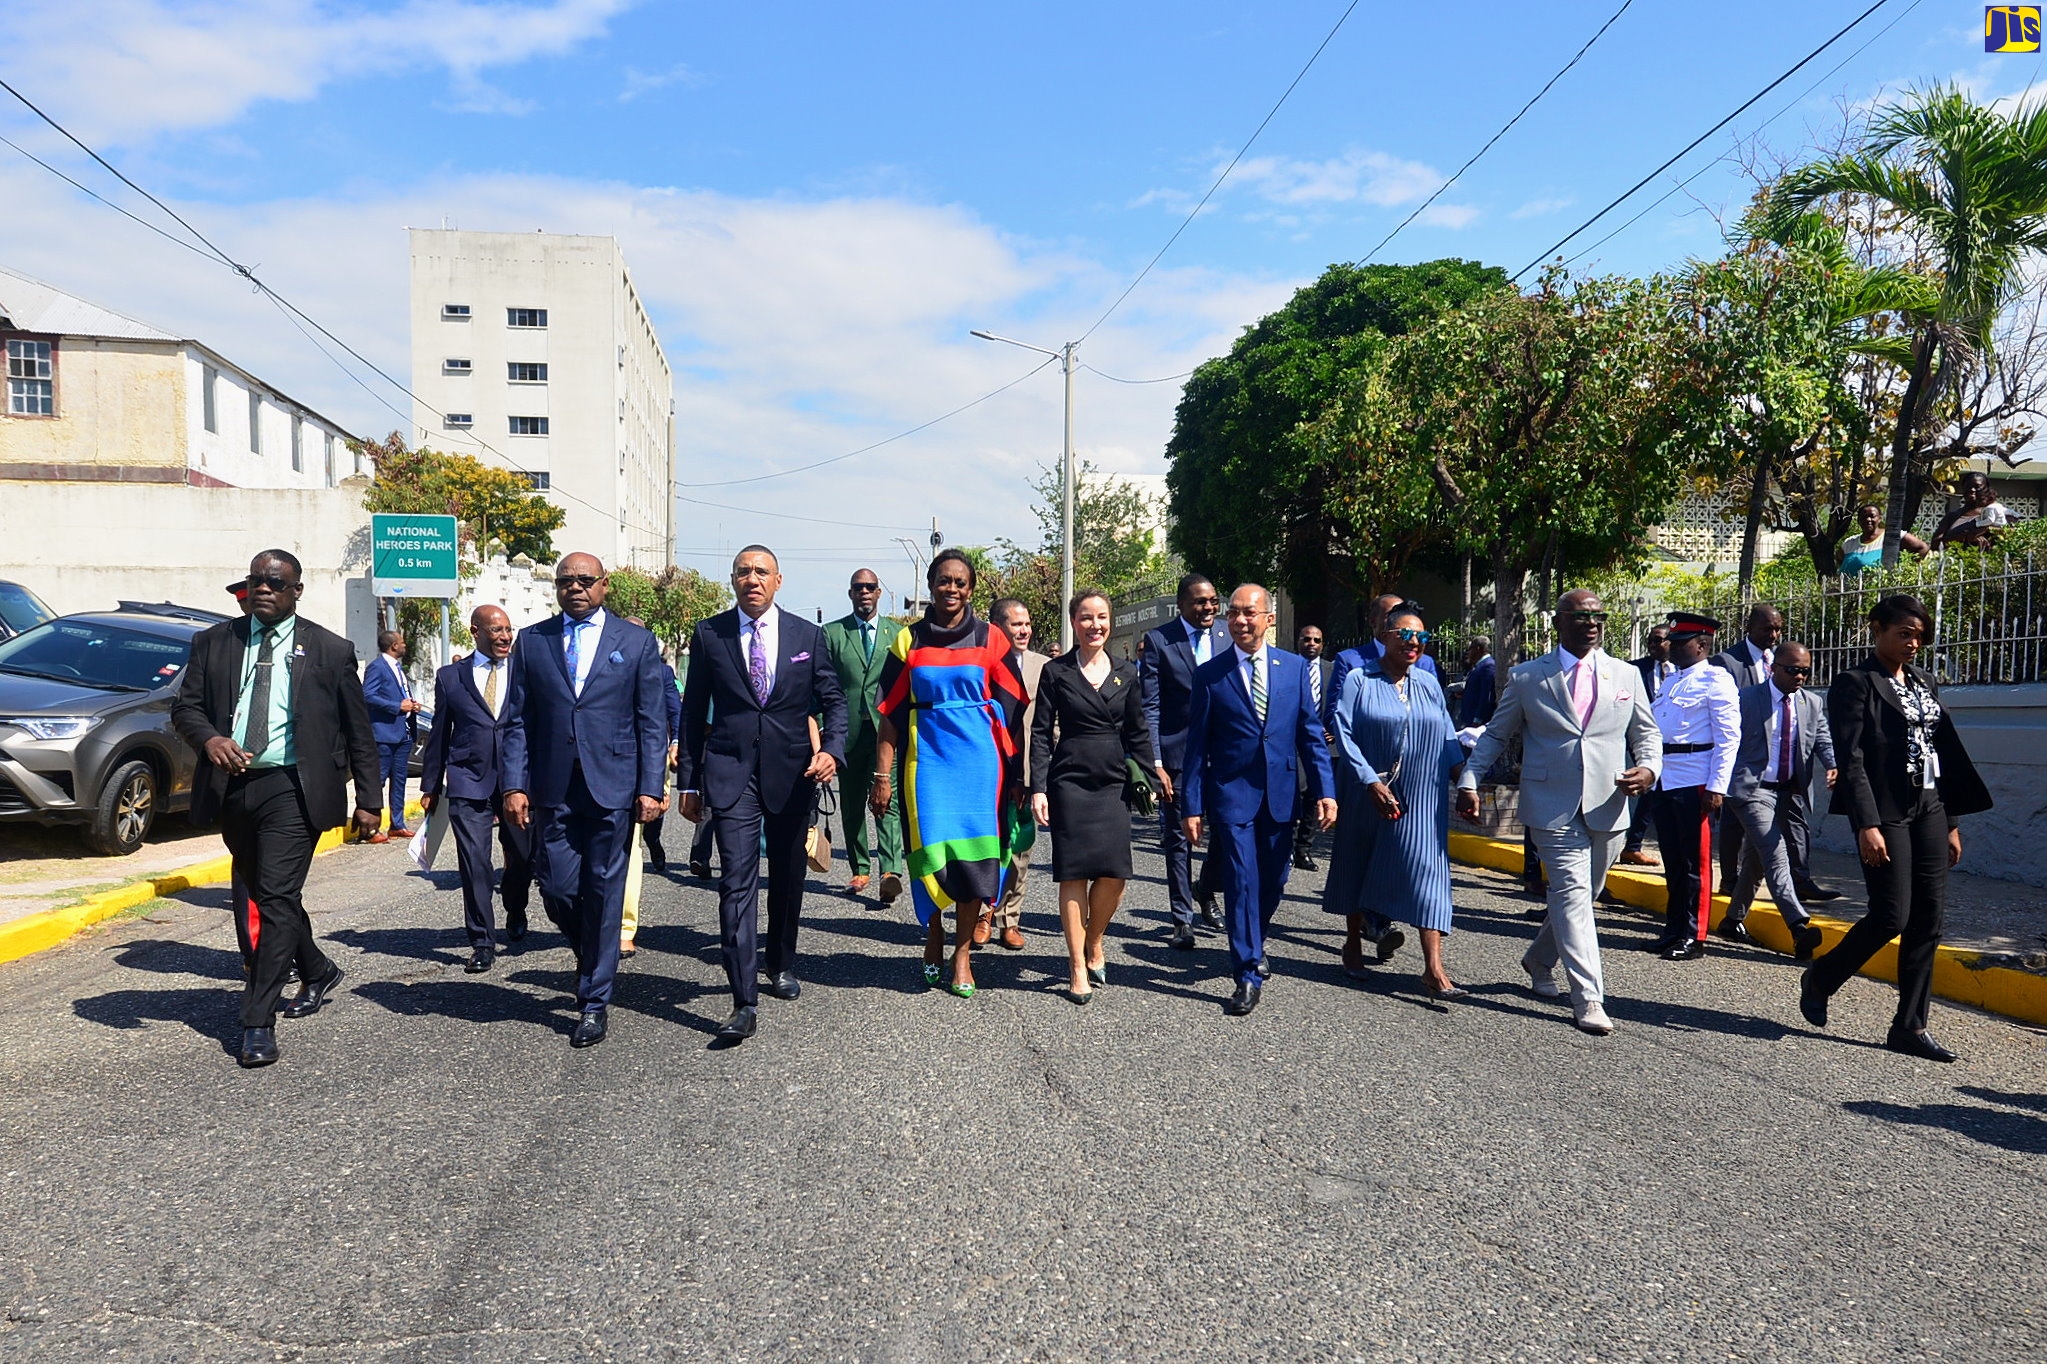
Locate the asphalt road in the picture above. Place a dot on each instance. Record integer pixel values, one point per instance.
(887, 1173)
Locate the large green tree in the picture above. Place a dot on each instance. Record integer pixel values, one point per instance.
(1249, 488)
(671, 602)
(496, 509)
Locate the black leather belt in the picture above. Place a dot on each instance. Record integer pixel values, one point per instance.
(1688, 748)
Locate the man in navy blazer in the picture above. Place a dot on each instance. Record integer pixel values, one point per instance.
(764, 673)
(393, 723)
(463, 765)
(1251, 729)
(584, 756)
(1165, 676)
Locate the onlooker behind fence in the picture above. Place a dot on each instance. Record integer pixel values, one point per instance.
(1867, 551)
(1974, 524)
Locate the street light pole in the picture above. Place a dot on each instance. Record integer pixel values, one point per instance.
(1065, 356)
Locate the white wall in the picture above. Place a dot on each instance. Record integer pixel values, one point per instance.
(224, 453)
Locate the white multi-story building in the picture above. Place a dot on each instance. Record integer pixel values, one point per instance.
(532, 352)
(94, 396)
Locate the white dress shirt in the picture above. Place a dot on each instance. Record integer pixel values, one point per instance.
(1566, 661)
(398, 671)
(589, 635)
(1199, 640)
(1758, 661)
(482, 667)
(1773, 735)
(1700, 705)
(770, 630)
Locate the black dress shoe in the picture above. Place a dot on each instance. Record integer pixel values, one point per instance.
(1211, 917)
(1812, 1005)
(783, 985)
(1390, 942)
(657, 859)
(1735, 930)
(700, 870)
(1264, 969)
(1303, 862)
(1182, 938)
(1243, 1001)
(259, 1047)
(590, 1029)
(1663, 944)
(739, 1026)
(1805, 940)
(515, 927)
(1919, 1044)
(311, 997)
(1691, 949)
(1817, 892)
(479, 961)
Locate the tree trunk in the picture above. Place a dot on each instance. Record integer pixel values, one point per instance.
(1752, 526)
(1508, 579)
(1916, 389)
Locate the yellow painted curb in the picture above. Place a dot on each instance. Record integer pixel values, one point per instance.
(33, 933)
(1959, 974)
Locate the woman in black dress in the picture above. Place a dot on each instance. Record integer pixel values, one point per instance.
(1905, 778)
(1077, 781)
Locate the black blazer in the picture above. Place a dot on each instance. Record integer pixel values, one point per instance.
(464, 747)
(1868, 724)
(1166, 679)
(717, 758)
(330, 721)
(1096, 730)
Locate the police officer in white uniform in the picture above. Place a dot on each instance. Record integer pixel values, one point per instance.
(1698, 711)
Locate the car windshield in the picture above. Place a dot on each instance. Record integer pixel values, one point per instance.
(21, 609)
(96, 655)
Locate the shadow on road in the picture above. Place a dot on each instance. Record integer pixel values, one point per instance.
(208, 1012)
(447, 946)
(2019, 1132)
(473, 1000)
(172, 958)
(1998, 1096)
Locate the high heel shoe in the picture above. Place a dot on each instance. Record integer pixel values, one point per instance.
(1076, 996)
(932, 973)
(1098, 975)
(963, 989)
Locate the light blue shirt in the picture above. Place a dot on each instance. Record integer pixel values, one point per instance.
(589, 635)
(281, 750)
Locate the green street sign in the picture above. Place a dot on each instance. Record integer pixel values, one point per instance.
(412, 556)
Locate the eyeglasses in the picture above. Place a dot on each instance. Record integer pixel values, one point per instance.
(577, 580)
(1410, 635)
(1794, 671)
(866, 587)
(272, 581)
(1583, 617)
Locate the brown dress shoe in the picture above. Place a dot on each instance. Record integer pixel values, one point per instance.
(856, 885)
(1012, 938)
(378, 837)
(891, 886)
(1638, 858)
(982, 930)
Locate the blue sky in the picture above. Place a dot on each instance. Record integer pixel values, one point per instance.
(819, 201)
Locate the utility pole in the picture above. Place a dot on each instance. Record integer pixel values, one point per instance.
(1065, 355)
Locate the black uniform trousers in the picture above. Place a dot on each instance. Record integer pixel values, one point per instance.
(739, 829)
(470, 821)
(264, 824)
(1182, 886)
(1684, 834)
(1907, 901)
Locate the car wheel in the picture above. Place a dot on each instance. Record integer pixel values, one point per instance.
(127, 809)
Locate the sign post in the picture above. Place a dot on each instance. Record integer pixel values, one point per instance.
(413, 556)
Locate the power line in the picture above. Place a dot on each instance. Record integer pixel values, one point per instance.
(1744, 107)
(1504, 129)
(1298, 77)
(1165, 379)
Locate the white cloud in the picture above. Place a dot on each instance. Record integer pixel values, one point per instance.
(121, 70)
(639, 82)
(1452, 216)
(1357, 176)
(1537, 208)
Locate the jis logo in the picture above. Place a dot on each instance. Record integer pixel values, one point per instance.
(2011, 28)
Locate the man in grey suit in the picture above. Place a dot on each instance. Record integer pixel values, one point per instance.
(1783, 734)
(1589, 747)
(1747, 661)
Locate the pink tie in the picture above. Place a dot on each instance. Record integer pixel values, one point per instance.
(1583, 685)
(1785, 734)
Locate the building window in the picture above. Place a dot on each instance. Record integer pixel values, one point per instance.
(31, 385)
(521, 373)
(328, 444)
(529, 426)
(298, 443)
(455, 366)
(540, 482)
(525, 317)
(460, 419)
(209, 399)
(255, 423)
(454, 312)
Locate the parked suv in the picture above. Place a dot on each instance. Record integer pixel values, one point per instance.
(20, 609)
(85, 722)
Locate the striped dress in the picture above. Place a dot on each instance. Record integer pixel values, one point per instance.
(956, 700)
(1406, 862)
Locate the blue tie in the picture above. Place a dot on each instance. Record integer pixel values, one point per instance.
(575, 653)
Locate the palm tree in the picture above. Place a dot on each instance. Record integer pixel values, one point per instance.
(1972, 183)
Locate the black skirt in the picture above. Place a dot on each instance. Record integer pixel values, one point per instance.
(1081, 736)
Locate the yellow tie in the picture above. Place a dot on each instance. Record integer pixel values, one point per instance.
(490, 687)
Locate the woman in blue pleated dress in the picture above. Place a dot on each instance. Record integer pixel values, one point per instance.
(1393, 727)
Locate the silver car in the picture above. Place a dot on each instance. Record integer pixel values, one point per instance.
(85, 722)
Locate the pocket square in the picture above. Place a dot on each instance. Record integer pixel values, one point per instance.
(617, 657)
(798, 658)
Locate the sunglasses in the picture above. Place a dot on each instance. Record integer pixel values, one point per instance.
(272, 581)
(867, 587)
(577, 580)
(1794, 671)
(1583, 617)
(1410, 635)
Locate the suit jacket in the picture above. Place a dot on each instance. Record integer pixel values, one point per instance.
(748, 740)
(1236, 767)
(465, 747)
(1651, 683)
(1355, 658)
(1032, 665)
(1568, 768)
(616, 731)
(330, 723)
(1868, 723)
(858, 673)
(1165, 680)
(1814, 742)
(381, 692)
(1481, 693)
(671, 696)
(1736, 661)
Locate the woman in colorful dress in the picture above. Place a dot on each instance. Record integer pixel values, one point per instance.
(951, 697)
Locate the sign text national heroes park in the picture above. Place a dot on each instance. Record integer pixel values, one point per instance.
(412, 556)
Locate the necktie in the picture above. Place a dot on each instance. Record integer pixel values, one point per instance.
(757, 665)
(404, 687)
(1315, 684)
(1786, 729)
(1257, 690)
(575, 654)
(257, 736)
(490, 687)
(1583, 687)
(867, 638)
(1200, 647)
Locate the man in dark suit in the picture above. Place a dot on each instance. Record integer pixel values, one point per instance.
(1784, 741)
(1251, 726)
(1480, 697)
(1308, 644)
(859, 645)
(1747, 661)
(1165, 673)
(1656, 668)
(765, 672)
(584, 756)
(463, 765)
(393, 718)
(273, 705)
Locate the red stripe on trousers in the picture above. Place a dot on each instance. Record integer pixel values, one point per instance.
(1705, 866)
(255, 923)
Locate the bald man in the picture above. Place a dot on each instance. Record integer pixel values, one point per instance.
(461, 765)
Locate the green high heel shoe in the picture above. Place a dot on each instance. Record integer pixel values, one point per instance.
(965, 991)
(1099, 975)
(931, 973)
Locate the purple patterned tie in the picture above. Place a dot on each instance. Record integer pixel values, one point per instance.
(757, 665)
